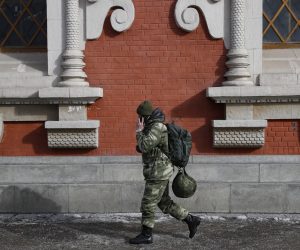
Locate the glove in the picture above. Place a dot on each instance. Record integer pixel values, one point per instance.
(138, 149)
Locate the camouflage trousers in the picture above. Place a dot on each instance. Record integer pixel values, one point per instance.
(157, 194)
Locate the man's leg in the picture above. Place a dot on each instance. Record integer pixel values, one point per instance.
(152, 195)
(168, 206)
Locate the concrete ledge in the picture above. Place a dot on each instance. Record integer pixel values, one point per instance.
(226, 184)
(71, 92)
(51, 174)
(239, 123)
(34, 198)
(102, 198)
(81, 94)
(258, 198)
(89, 124)
(209, 197)
(293, 198)
(280, 173)
(81, 172)
(194, 159)
(278, 79)
(53, 95)
(245, 159)
(254, 94)
(224, 172)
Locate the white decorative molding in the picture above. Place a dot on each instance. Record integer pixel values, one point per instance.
(73, 74)
(239, 123)
(96, 11)
(238, 137)
(69, 92)
(72, 138)
(238, 73)
(89, 124)
(72, 134)
(55, 95)
(187, 16)
(239, 133)
(254, 94)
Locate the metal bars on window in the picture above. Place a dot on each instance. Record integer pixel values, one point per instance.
(23, 24)
(281, 23)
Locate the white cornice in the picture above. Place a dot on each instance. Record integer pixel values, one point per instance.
(254, 94)
(96, 11)
(54, 95)
(187, 16)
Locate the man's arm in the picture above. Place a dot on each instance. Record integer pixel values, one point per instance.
(151, 140)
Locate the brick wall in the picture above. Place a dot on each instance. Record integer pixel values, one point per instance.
(153, 60)
(282, 137)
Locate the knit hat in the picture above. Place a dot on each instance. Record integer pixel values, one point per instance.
(145, 108)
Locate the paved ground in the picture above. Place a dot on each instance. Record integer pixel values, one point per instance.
(96, 231)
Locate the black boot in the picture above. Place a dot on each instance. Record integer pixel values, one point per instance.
(193, 222)
(145, 237)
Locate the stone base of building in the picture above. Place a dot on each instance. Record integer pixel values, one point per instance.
(226, 184)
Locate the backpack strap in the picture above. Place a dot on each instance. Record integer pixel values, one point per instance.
(161, 146)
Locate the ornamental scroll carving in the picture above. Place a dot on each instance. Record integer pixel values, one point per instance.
(187, 16)
(96, 11)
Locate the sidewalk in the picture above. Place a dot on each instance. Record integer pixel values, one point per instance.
(112, 231)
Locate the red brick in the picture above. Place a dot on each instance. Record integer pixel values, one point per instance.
(293, 144)
(153, 60)
(280, 129)
(277, 139)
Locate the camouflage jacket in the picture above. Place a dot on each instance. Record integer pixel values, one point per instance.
(152, 142)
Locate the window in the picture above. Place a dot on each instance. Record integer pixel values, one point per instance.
(23, 24)
(281, 23)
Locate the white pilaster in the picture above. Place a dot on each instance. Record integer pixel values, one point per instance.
(73, 74)
(238, 73)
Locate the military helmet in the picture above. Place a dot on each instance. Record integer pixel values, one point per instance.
(184, 186)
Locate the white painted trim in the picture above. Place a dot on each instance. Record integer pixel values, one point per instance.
(96, 11)
(254, 94)
(89, 124)
(239, 123)
(187, 16)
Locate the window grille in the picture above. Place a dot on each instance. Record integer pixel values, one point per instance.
(281, 23)
(23, 24)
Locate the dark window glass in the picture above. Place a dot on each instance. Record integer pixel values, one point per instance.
(295, 36)
(284, 22)
(23, 24)
(271, 7)
(295, 6)
(271, 36)
(281, 21)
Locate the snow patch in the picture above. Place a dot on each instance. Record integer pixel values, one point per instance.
(242, 217)
(212, 218)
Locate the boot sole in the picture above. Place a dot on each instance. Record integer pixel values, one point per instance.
(197, 225)
(140, 243)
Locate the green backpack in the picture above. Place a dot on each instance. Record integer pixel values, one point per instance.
(180, 145)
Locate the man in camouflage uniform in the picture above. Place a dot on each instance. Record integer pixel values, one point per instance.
(152, 141)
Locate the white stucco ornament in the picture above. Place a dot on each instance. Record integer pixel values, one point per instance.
(96, 11)
(187, 16)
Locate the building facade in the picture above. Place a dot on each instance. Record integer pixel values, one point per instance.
(73, 72)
